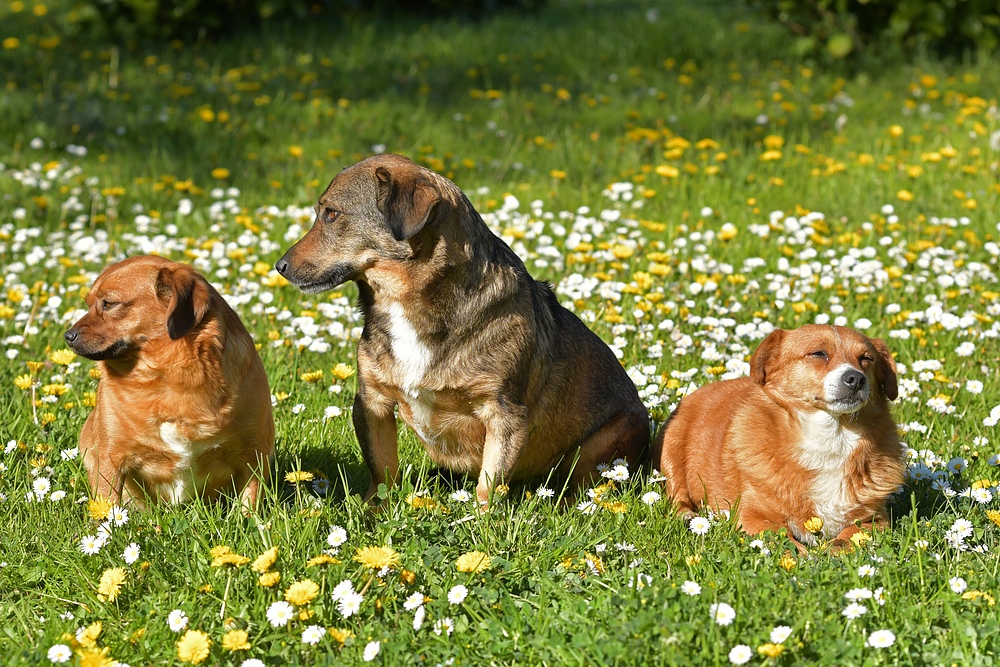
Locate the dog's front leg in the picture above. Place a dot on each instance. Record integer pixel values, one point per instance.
(375, 425)
(506, 438)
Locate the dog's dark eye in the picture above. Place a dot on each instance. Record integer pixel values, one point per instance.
(820, 354)
(107, 303)
(330, 215)
(865, 360)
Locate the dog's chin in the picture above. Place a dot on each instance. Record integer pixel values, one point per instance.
(847, 405)
(331, 279)
(113, 351)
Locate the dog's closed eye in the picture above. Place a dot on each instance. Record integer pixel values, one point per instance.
(820, 354)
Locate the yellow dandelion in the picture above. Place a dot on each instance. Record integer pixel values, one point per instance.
(297, 476)
(312, 376)
(667, 171)
(236, 640)
(220, 173)
(787, 562)
(982, 484)
(813, 525)
(342, 371)
(111, 582)
(895, 131)
(93, 656)
(774, 142)
(23, 381)
(269, 579)
(62, 357)
(302, 592)
(98, 508)
(407, 577)
(692, 560)
(770, 156)
(473, 561)
(322, 559)
(904, 195)
(340, 635)
(859, 538)
(728, 231)
(976, 595)
(232, 559)
(193, 647)
(771, 650)
(88, 636)
(375, 558)
(220, 550)
(993, 516)
(264, 561)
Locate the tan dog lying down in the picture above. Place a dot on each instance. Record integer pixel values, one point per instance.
(183, 405)
(496, 378)
(808, 434)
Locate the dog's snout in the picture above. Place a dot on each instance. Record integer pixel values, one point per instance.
(854, 380)
(281, 266)
(71, 336)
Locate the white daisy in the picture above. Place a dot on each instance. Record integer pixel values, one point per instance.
(722, 613)
(131, 553)
(371, 651)
(59, 653)
(177, 620)
(881, 639)
(313, 634)
(337, 536)
(780, 633)
(280, 613)
(350, 604)
(458, 594)
(740, 654)
(690, 588)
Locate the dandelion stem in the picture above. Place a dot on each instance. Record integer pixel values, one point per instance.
(225, 596)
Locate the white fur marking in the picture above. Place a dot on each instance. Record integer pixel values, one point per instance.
(413, 358)
(826, 444)
(179, 491)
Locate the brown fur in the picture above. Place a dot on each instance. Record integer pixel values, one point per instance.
(183, 405)
(507, 383)
(747, 444)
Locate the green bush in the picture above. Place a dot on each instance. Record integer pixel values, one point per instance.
(190, 20)
(842, 27)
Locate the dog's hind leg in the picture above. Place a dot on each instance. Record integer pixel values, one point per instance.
(626, 436)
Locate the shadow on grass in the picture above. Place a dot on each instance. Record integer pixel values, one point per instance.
(411, 75)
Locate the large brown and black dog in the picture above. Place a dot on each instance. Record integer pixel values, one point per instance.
(496, 378)
(183, 406)
(808, 434)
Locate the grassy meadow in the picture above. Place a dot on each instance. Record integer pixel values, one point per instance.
(687, 183)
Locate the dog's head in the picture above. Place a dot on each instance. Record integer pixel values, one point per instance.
(831, 368)
(369, 214)
(137, 300)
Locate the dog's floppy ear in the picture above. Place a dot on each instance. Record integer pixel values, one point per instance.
(885, 369)
(187, 297)
(765, 355)
(407, 198)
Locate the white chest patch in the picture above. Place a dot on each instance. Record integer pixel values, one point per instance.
(826, 444)
(182, 488)
(413, 358)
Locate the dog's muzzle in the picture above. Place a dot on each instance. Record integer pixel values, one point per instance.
(847, 390)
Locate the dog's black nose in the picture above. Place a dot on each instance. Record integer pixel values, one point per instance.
(854, 380)
(281, 266)
(71, 335)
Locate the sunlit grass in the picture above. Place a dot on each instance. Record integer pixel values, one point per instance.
(682, 179)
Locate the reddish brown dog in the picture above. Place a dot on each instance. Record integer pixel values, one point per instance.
(497, 379)
(183, 406)
(808, 434)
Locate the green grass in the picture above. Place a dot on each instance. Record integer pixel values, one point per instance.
(553, 107)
